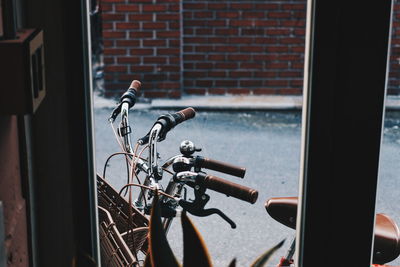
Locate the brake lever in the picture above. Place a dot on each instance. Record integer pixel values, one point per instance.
(197, 207)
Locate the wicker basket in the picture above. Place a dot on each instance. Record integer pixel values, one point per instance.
(120, 238)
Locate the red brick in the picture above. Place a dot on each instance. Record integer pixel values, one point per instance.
(112, 1)
(289, 91)
(241, 40)
(252, 31)
(291, 74)
(203, 14)
(141, 17)
(296, 83)
(114, 51)
(216, 57)
(216, 23)
(195, 91)
(115, 68)
(133, 60)
(168, 34)
(140, 34)
(194, 74)
(108, 43)
(155, 77)
(216, 91)
(204, 31)
(279, 15)
(266, 7)
(217, 6)
(217, 40)
(173, 43)
(292, 40)
(226, 49)
(228, 31)
(204, 48)
(152, 60)
(127, 25)
(238, 91)
(240, 74)
(189, 6)
(129, 43)
(289, 57)
(265, 74)
(226, 83)
(277, 82)
(168, 51)
(109, 60)
(227, 15)
(264, 91)
(174, 8)
(174, 25)
(113, 34)
(297, 49)
(155, 94)
(280, 65)
(277, 49)
(196, 40)
(242, 6)
(292, 23)
(300, 32)
(278, 31)
(253, 15)
(250, 83)
(107, 26)
(194, 57)
(141, 68)
(141, 51)
(240, 57)
(105, 7)
(226, 65)
(112, 17)
(242, 23)
(154, 25)
(251, 65)
(169, 68)
(154, 8)
(127, 8)
(216, 74)
(204, 65)
(204, 83)
(294, 6)
(251, 49)
(161, 16)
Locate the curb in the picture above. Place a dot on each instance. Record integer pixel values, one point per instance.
(231, 103)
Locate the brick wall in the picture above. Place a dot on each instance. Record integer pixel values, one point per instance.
(211, 47)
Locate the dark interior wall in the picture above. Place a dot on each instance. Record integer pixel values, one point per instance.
(61, 132)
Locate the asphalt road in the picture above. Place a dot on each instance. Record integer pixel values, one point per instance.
(268, 145)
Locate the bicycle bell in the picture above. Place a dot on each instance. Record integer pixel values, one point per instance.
(187, 148)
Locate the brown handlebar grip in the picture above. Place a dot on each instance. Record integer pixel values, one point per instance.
(185, 114)
(220, 166)
(135, 85)
(231, 189)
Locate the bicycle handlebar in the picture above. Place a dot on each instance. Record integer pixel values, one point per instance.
(203, 162)
(128, 97)
(229, 188)
(169, 121)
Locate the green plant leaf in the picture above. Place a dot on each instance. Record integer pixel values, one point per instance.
(161, 254)
(233, 263)
(263, 259)
(194, 249)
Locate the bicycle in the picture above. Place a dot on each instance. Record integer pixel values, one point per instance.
(124, 223)
(386, 232)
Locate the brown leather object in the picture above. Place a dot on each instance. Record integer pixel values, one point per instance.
(387, 235)
(135, 84)
(220, 166)
(231, 189)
